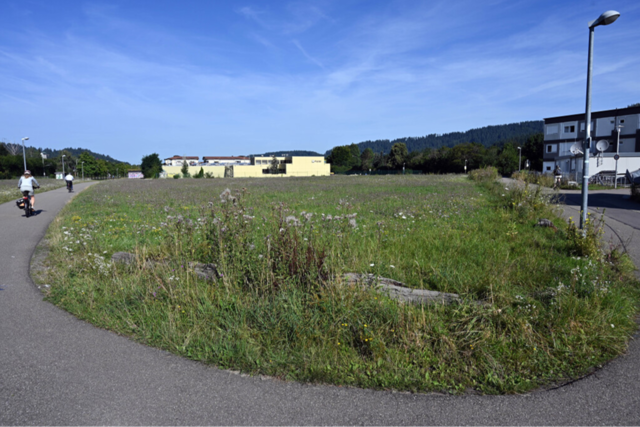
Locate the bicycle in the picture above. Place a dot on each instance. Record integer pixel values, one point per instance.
(70, 186)
(26, 202)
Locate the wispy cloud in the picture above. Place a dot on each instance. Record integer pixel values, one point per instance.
(304, 52)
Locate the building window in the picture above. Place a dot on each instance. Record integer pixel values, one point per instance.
(622, 121)
(549, 148)
(548, 168)
(569, 129)
(552, 129)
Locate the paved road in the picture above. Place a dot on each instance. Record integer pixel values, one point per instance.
(622, 222)
(57, 370)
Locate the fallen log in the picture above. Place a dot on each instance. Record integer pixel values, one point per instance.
(398, 291)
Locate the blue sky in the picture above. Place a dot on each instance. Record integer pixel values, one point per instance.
(129, 78)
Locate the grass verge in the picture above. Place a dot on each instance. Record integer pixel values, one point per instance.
(554, 306)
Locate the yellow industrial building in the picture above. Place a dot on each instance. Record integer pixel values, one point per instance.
(259, 167)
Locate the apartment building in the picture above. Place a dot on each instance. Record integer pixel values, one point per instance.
(564, 132)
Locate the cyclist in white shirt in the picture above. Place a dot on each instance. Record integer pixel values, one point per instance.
(29, 183)
(69, 179)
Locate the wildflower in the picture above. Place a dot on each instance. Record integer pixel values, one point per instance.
(392, 266)
(612, 325)
(225, 195)
(352, 223)
(371, 265)
(292, 221)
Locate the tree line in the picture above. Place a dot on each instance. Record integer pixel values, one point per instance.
(485, 136)
(504, 155)
(75, 161)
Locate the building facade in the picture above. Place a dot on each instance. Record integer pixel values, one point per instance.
(226, 161)
(178, 160)
(256, 167)
(564, 132)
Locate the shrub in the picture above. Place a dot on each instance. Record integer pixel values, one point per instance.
(176, 176)
(586, 242)
(544, 180)
(484, 175)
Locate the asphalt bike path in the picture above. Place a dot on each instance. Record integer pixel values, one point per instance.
(58, 370)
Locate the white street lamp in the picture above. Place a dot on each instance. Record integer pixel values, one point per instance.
(63, 165)
(615, 185)
(44, 156)
(519, 159)
(24, 157)
(605, 19)
(83, 171)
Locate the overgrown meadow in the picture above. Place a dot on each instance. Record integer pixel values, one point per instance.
(538, 305)
(9, 188)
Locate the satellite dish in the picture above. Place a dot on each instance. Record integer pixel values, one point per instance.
(602, 145)
(575, 149)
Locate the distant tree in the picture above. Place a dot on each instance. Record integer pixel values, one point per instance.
(273, 165)
(355, 161)
(151, 165)
(508, 160)
(380, 161)
(533, 151)
(398, 155)
(340, 156)
(634, 105)
(491, 157)
(366, 159)
(471, 154)
(185, 168)
(200, 174)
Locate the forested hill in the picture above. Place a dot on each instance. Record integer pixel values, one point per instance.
(486, 136)
(301, 153)
(75, 152)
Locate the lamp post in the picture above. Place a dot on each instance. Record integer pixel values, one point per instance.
(24, 157)
(83, 171)
(63, 166)
(43, 157)
(606, 18)
(615, 180)
(403, 168)
(519, 159)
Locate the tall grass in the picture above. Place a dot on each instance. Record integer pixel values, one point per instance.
(277, 304)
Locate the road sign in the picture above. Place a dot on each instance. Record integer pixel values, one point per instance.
(616, 157)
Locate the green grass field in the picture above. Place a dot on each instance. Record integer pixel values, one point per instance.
(538, 305)
(9, 188)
